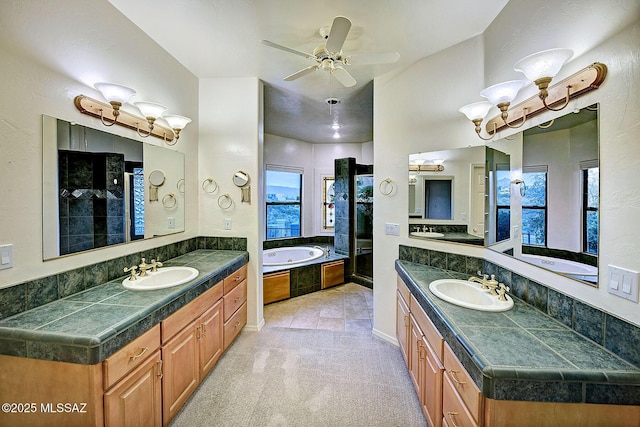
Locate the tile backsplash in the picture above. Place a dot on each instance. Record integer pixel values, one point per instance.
(616, 335)
(34, 293)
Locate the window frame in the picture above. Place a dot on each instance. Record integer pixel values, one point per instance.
(585, 167)
(284, 169)
(537, 169)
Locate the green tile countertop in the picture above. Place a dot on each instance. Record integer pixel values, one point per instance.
(523, 354)
(91, 325)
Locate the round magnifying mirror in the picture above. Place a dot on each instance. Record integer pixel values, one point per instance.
(240, 178)
(156, 178)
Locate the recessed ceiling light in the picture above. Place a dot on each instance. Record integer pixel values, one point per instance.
(336, 135)
(332, 101)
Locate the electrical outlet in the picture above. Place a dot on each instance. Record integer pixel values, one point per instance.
(227, 223)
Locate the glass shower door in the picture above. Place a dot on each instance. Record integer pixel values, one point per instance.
(364, 226)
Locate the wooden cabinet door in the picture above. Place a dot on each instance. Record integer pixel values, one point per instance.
(211, 335)
(431, 370)
(402, 326)
(136, 400)
(181, 370)
(415, 354)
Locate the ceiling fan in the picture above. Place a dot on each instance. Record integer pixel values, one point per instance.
(329, 56)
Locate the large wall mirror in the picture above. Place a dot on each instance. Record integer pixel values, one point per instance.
(101, 189)
(553, 219)
(447, 195)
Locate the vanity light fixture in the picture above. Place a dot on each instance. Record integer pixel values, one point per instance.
(419, 166)
(177, 123)
(539, 68)
(111, 113)
(116, 95)
(151, 111)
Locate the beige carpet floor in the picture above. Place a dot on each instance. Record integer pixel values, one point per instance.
(290, 375)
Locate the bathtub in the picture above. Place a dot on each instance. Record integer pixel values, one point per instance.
(562, 266)
(290, 255)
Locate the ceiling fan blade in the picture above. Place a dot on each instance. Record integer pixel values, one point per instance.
(338, 34)
(301, 73)
(287, 49)
(343, 77)
(373, 58)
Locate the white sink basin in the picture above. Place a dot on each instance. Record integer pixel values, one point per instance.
(163, 278)
(426, 234)
(469, 295)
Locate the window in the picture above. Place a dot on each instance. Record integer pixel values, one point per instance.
(328, 203)
(438, 199)
(590, 203)
(284, 201)
(503, 202)
(534, 206)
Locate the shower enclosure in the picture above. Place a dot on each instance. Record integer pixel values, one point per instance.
(363, 243)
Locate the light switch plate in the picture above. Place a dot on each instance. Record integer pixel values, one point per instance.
(392, 229)
(6, 256)
(622, 282)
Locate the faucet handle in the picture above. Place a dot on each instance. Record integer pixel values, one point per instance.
(502, 291)
(131, 270)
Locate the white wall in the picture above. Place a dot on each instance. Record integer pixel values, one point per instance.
(406, 123)
(231, 139)
(49, 57)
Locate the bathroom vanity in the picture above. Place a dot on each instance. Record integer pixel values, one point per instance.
(112, 356)
(518, 367)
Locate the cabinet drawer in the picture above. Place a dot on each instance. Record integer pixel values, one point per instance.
(234, 325)
(462, 383)
(130, 356)
(181, 318)
(454, 411)
(234, 299)
(275, 287)
(332, 274)
(234, 279)
(428, 328)
(404, 291)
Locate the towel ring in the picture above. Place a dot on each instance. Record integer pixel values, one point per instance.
(225, 201)
(523, 186)
(209, 186)
(180, 186)
(386, 184)
(168, 199)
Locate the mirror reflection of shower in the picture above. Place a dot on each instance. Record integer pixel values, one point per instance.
(364, 226)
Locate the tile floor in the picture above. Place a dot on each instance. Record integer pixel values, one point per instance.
(345, 307)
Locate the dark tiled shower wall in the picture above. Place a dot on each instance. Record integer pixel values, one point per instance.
(616, 335)
(34, 293)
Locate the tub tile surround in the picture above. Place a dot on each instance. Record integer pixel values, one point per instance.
(89, 326)
(558, 360)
